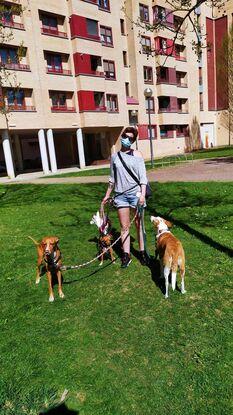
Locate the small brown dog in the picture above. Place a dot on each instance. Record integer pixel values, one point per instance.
(171, 253)
(49, 255)
(105, 238)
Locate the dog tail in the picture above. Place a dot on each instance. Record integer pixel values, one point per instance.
(33, 240)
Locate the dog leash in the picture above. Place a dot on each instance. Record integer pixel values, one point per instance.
(85, 264)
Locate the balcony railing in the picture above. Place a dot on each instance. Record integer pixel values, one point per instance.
(180, 58)
(18, 108)
(58, 71)
(166, 109)
(62, 108)
(181, 84)
(15, 66)
(132, 101)
(167, 134)
(52, 31)
(101, 108)
(182, 110)
(12, 24)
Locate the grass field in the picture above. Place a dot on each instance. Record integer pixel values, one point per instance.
(159, 162)
(114, 342)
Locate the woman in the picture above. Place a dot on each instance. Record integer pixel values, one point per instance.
(128, 193)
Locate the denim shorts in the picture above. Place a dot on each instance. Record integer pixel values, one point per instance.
(126, 200)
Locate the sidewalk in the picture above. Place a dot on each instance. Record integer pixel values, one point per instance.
(216, 169)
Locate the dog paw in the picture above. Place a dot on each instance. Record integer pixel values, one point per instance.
(183, 291)
(37, 281)
(51, 299)
(61, 295)
(166, 296)
(100, 264)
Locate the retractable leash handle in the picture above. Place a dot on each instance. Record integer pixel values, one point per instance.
(140, 209)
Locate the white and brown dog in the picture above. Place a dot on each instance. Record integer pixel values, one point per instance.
(105, 237)
(49, 256)
(171, 253)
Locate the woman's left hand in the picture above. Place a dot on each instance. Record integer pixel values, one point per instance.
(141, 200)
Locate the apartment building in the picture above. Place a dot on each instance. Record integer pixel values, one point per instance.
(82, 77)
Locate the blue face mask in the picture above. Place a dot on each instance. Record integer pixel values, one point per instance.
(125, 141)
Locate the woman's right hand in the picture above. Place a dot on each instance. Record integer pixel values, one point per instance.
(105, 199)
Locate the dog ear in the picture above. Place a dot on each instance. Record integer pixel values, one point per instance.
(56, 240)
(169, 224)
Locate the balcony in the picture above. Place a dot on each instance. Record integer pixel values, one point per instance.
(15, 66)
(53, 31)
(18, 108)
(58, 71)
(12, 24)
(62, 108)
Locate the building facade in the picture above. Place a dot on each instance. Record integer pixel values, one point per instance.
(82, 77)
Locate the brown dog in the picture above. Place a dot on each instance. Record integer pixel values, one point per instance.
(171, 253)
(105, 238)
(49, 255)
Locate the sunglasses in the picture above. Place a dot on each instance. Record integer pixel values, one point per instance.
(127, 136)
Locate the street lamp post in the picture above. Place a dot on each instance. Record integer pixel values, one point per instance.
(148, 94)
(134, 114)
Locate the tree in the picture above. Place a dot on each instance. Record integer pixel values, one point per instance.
(187, 16)
(8, 77)
(225, 78)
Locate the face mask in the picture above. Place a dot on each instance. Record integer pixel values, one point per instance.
(125, 141)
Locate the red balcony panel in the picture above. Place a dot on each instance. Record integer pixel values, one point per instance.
(87, 102)
(62, 108)
(82, 64)
(60, 71)
(132, 101)
(173, 104)
(170, 47)
(78, 28)
(142, 131)
(180, 58)
(52, 31)
(172, 76)
(15, 66)
(12, 24)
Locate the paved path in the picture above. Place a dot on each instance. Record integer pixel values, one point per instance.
(216, 169)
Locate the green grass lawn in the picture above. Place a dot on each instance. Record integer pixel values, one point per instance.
(114, 342)
(159, 162)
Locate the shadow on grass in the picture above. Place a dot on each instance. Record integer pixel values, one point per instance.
(60, 410)
(223, 160)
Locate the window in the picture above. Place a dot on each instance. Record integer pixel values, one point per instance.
(99, 99)
(54, 62)
(8, 56)
(144, 12)
(162, 74)
(92, 27)
(153, 132)
(6, 14)
(148, 74)
(201, 101)
(122, 22)
(159, 14)
(106, 36)
(104, 4)
(49, 21)
(125, 60)
(15, 97)
(109, 69)
(127, 89)
(58, 99)
(112, 103)
(152, 104)
(146, 44)
(95, 62)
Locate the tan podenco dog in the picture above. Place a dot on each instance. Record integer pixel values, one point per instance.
(171, 253)
(49, 255)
